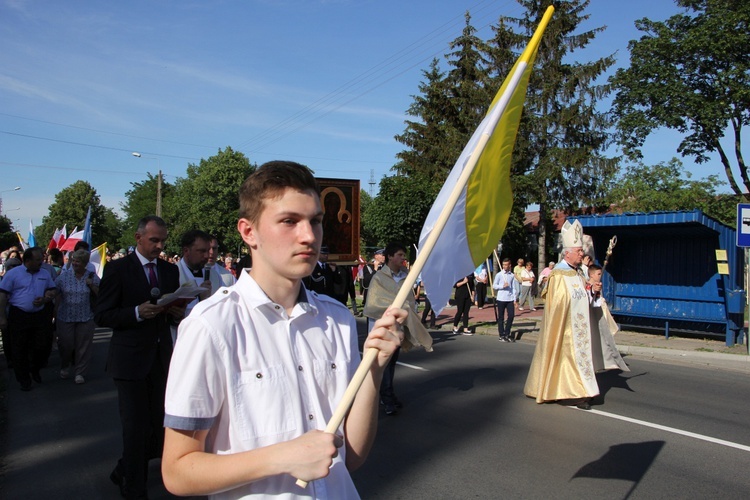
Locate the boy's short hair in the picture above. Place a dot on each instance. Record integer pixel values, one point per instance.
(270, 180)
(594, 267)
(391, 249)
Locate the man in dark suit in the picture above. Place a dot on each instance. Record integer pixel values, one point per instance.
(323, 277)
(140, 348)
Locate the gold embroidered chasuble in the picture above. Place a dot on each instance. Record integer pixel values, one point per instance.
(574, 343)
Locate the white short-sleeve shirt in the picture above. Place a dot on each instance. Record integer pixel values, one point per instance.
(256, 376)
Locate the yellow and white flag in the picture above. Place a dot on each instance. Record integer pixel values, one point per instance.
(478, 188)
(99, 258)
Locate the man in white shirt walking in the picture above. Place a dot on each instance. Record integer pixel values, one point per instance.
(504, 285)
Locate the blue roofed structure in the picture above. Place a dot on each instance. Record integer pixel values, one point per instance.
(663, 271)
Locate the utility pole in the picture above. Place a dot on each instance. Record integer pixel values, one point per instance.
(372, 180)
(158, 180)
(158, 195)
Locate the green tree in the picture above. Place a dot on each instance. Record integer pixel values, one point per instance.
(690, 73)
(429, 138)
(448, 109)
(8, 236)
(207, 198)
(140, 201)
(70, 208)
(399, 210)
(668, 186)
(558, 159)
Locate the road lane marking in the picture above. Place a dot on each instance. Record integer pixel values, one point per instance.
(407, 365)
(413, 367)
(670, 429)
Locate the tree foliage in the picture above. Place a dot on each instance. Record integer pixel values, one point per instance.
(399, 210)
(431, 141)
(207, 198)
(558, 160)
(8, 236)
(447, 111)
(668, 186)
(70, 208)
(690, 73)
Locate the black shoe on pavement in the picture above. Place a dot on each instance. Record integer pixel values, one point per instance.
(36, 377)
(26, 386)
(390, 409)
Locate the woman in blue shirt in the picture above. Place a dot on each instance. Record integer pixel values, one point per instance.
(75, 318)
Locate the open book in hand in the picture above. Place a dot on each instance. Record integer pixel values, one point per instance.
(185, 294)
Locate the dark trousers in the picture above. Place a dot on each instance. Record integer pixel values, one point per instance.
(29, 331)
(428, 310)
(463, 304)
(49, 335)
(501, 308)
(387, 395)
(481, 293)
(142, 417)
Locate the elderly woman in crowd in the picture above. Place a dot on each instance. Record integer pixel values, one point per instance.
(75, 318)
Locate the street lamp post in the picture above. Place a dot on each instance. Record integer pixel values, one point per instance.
(158, 180)
(7, 191)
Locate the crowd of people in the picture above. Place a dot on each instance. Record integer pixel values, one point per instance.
(228, 369)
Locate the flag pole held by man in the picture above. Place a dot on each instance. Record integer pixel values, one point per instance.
(471, 211)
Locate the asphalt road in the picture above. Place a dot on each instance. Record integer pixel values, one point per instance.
(466, 431)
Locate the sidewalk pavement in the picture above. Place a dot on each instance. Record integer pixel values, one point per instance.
(708, 352)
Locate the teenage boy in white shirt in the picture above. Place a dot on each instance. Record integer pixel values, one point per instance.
(259, 368)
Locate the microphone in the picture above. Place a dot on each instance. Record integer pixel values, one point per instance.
(155, 294)
(207, 273)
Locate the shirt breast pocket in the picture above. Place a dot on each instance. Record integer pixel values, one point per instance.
(264, 402)
(328, 376)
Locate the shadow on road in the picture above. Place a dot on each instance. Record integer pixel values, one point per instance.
(628, 461)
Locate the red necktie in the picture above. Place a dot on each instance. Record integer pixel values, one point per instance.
(152, 280)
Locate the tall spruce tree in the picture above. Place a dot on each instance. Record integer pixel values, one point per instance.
(428, 153)
(449, 108)
(558, 160)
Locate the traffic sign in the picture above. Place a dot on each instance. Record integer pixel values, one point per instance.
(743, 224)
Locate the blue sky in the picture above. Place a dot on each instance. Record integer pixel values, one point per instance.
(322, 82)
